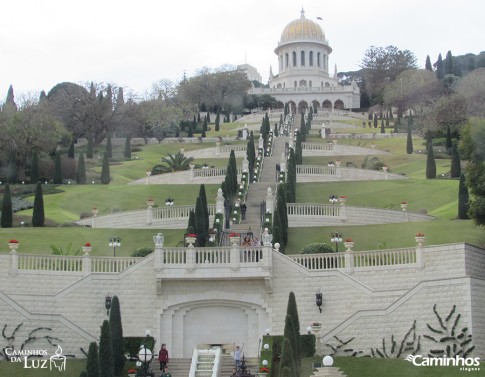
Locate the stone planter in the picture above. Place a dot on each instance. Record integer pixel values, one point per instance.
(150, 202)
(190, 240)
(316, 327)
(87, 249)
(404, 206)
(235, 240)
(349, 245)
(420, 240)
(13, 246)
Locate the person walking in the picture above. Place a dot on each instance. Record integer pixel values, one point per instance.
(163, 357)
(165, 373)
(237, 355)
(243, 211)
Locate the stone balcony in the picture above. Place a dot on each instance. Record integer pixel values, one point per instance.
(218, 263)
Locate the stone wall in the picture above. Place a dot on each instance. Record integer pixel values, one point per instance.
(369, 305)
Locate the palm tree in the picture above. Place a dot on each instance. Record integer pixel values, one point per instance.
(173, 162)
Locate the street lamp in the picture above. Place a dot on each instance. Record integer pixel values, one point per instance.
(333, 199)
(336, 237)
(145, 354)
(114, 242)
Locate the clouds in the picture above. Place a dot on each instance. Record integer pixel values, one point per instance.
(135, 44)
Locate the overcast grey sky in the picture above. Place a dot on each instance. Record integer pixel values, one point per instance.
(136, 43)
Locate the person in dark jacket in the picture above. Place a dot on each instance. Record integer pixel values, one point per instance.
(163, 356)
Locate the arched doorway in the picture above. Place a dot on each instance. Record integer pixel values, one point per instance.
(302, 107)
(327, 105)
(339, 104)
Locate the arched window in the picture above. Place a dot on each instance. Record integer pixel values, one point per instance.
(310, 58)
(302, 58)
(303, 83)
(281, 62)
(310, 83)
(295, 84)
(286, 60)
(294, 59)
(319, 60)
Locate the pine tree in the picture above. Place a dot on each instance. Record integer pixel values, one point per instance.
(92, 361)
(57, 169)
(34, 168)
(81, 170)
(430, 162)
(109, 148)
(105, 174)
(38, 217)
(409, 142)
(428, 65)
(287, 359)
(455, 170)
(439, 68)
(127, 152)
(70, 150)
(463, 198)
(7, 212)
(106, 366)
(116, 328)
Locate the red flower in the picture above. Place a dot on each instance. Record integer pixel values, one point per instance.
(87, 244)
(234, 235)
(419, 234)
(349, 240)
(263, 370)
(13, 241)
(191, 235)
(404, 202)
(131, 371)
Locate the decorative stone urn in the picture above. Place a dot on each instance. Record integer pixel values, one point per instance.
(235, 238)
(404, 206)
(316, 326)
(13, 245)
(349, 244)
(190, 239)
(87, 248)
(420, 238)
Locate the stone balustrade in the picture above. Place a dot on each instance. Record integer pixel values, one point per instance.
(316, 170)
(178, 212)
(314, 209)
(70, 264)
(212, 172)
(235, 148)
(351, 261)
(317, 146)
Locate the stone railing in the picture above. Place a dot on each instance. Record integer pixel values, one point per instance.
(178, 212)
(212, 172)
(314, 209)
(316, 170)
(61, 263)
(317, 146)
(229, 148)
(361, 260)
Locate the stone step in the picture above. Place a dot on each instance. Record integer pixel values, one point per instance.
(328, 372)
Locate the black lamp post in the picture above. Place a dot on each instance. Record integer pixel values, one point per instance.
(333, 199)
(107, 303)
(336, 237)
(114, 242)
(319, 301)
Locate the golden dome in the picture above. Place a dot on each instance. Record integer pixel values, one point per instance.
(302, 28)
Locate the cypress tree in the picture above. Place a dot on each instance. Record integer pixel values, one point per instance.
(292, 312)
(383, 130)
(109, 148)
(89, 149)
(10, 101)
(208, 117)
(449, 64)
(277, 238)
(7, 213)
(375, 120)
(92, 361)
(116, 328)
(127, 152)
(83, 374)
(204, 125)
(106, 366)
(200, 223)
(81, 170)
(280, 204)
(455, 170)
(409, 142)
(105, 174)
(439, 68)
(34, 168)
(428, 65)
(291, 334)
(205, 209)
(70, 150)
(57, 169)
(233, 168)
(198, 117)
(430, 162)
(190, 133)
(38, 217)
(191, 223)
(463, 198)
(287, 359)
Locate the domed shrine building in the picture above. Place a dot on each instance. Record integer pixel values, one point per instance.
(303, 77)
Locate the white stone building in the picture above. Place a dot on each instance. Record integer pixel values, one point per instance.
(304, 77)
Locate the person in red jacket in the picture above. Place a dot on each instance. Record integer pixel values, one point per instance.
(163, 356)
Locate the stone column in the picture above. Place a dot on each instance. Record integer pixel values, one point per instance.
(235, 257)
(245, 165)
(261, 142)
(14, 262)
(219, 201)
(86, 264)
(190, 260)
(149, 213)
(269, 201)
(283, 162)
(349, 261)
